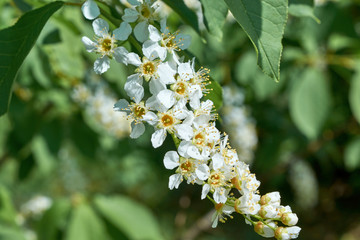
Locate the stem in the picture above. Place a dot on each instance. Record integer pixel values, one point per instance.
(73, 4)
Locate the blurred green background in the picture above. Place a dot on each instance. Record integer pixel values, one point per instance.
(66, 174)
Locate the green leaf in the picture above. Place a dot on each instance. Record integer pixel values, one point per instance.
(85, 225)
(15, 44)
(354, 95)
(187, 15)
(215, 12)
(352, 155)
(54, 220)
(310, 102)
(215, 94)
(132, 218)
(7, 210)
(302, 8)
(11, 233)
(264, 22)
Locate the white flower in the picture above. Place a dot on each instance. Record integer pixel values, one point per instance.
(222, 210)
(36, 205)
(144, 13)
(272, 198)
(170, 121)
(105, 46)
(264, 229)
(289, 219)
(90, 9)
(248, 204)
(218, 183)
(137, 113)
(165, 42)
(193, 170)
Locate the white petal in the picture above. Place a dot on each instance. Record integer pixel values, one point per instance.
(134, 90)
(89, 45)
(163, 26)
(101, 27)
(174, 181)
(171, 160)
(122, 105)
(185, 41)
(184, 131)
(218, 161)
(101, 65)
(120, 55)
(220, 195)
(150, 49)
(194, 152)
(130, 15)
(185, 71)
(183, 148)
(158, 138)
(166, 73)
(150, 118)
(134, 2)
(137, 129)
(156, 86)
(134, 59)
(90, 9)
(141, 31)
(166, 98)
(205, 190)
(202, 172)
(154, 34)
(122, 33)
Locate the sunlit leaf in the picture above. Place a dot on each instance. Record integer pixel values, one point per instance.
(187, 15)
(132, 218)
(15, 44)
(352, 155)
(264, 22)
(215, 12)
(310, 102)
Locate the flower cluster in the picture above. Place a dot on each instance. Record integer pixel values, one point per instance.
(98, 102)
(237, 122)
(175, 106)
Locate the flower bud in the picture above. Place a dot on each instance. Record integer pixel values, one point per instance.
(289, 219)
(267, 211)
(282, 233)
(272, 198)
(264, 230)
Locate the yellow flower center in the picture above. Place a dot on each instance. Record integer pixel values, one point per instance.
(139, 111)
(167, 120)
(148, 68)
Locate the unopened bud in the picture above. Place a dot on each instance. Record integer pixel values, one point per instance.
(272, 198)
(267, 211)
(264, 230)
(289, 219)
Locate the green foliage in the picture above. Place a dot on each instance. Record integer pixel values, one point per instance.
(215, 12)
(310, 102)
(85, 225)
(354, 95)
(16, 43)
(352, 155)
(188, 16)
(135, 220)
(264, 22)
(302, 8)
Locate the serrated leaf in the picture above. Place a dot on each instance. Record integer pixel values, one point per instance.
(302, 8)
(310, 102)
(85, 225)
(354, 95)
(352, 155)
(215, 12)
(15, 44)
(264, 22)
(187, 15)
(132, 218)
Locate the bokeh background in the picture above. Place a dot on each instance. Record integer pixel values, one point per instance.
(68, 169)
